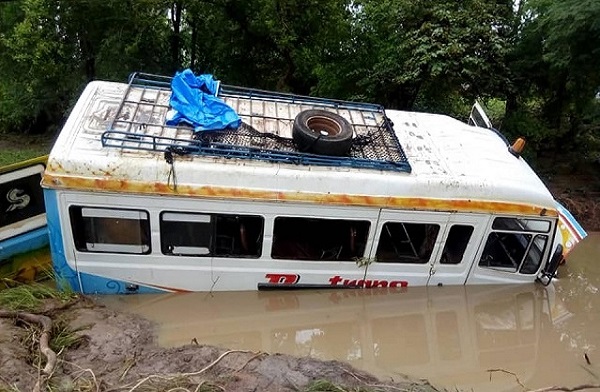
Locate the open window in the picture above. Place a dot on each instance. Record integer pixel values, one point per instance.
(456, 244)
(478, 117)
(407, 242)
(516, 245)
(297, 238)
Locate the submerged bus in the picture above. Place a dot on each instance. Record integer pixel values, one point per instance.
(302, 192)
(24, 253)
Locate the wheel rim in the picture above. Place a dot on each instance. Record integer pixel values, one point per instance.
(323, 126)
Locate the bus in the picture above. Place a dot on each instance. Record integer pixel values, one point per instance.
(24, 252)
(300, 192)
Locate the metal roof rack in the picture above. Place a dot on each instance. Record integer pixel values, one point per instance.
(265, 133)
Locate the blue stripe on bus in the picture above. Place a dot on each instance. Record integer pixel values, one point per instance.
(94, 284)
(571, 219)
(66, 277)
(23, 243)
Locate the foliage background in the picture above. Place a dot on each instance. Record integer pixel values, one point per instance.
(535, 64)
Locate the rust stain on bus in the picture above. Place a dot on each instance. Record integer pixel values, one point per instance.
(411, 203)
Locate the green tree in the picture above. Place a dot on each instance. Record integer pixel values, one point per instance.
(555, 70)
(51, 48)
(571, 48)
(273, 44)
(34, 61)
(419, 54)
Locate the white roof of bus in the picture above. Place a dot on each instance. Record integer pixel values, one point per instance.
(449, 160)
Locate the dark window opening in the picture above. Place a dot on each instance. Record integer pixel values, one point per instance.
(319, 239)
(517, 247)
(520, 224)
(535, 255)
(456, 244)
(505, 250)
(103, 230)
(407, 242)
(222, 235)
(185, 234)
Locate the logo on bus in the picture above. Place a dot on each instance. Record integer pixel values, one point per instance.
(338, 281)
(17, 199)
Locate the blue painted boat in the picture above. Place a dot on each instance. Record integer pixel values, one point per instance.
(24, 252)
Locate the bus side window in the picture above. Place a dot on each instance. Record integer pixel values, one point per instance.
(534, 255)
(407, 242)
(296, 238)
(110, 230)
(238, 235)
(205, 235)
(514, 245)
(504, 251)
(186, 234)
(456, 244)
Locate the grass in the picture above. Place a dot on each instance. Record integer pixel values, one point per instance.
(62, 337)
(65, 337)
(11, 156)
(4, 388)
(326, 386)
(17, 148)
(30, 297)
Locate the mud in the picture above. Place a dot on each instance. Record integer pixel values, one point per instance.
(577, 188)
(583, 203)
(118, 352)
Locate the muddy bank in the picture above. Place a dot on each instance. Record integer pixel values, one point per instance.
(117, 351)
(580, 194)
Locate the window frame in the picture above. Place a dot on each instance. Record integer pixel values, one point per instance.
(533, 232)
(78, 214)
(445, 258)
(211, 219)
(359, 234)
(400, 258)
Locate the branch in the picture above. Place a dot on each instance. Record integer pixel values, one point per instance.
(567, 389)
(46, 323)
(507, 372)
(547, 389)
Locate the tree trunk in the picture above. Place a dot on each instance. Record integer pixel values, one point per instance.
(194, 49)
(176, 35)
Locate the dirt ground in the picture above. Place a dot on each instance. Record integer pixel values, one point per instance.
(580, 194)
(118, 353)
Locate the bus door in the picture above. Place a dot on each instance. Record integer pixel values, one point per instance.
(459, 244)
(405, 246)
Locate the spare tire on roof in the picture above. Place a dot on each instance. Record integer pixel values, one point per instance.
(322, 132)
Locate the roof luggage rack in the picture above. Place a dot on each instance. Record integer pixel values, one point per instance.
(267, 118)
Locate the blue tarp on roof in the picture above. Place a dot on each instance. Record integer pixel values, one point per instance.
(195, 103)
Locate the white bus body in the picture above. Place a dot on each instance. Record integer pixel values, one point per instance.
(134, 205)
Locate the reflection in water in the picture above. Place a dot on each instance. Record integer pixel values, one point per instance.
(450, 335)
(574, 336)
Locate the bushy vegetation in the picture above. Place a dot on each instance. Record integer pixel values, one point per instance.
(534, 63)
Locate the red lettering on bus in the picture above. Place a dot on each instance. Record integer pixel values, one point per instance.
(283, 278)
(334, 280)
(379, 283)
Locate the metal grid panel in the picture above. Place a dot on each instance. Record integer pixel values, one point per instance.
(265, 133)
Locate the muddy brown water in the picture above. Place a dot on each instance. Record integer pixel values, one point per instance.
(472, 338)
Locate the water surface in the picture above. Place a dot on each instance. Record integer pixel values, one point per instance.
(463, 337)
